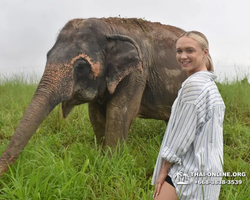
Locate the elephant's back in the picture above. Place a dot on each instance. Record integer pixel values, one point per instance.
(140, 29)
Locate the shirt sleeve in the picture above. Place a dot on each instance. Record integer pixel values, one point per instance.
(181, 134)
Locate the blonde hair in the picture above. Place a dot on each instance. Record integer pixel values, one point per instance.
(202, 40)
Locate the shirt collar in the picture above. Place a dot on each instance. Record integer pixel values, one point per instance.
(205, 74)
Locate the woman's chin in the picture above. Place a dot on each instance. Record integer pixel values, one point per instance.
(185, 68)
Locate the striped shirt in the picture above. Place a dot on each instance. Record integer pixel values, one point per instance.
(193, 140)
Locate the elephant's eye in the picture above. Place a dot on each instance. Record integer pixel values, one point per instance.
(82, 67)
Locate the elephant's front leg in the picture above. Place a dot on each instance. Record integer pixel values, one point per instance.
(98, 120)
(121, 112)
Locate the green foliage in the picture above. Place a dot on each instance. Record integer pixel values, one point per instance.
(63, 160)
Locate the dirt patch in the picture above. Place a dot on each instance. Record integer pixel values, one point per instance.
(95, 66)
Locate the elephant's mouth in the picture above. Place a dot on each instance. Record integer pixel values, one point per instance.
(78, 98)
(67, 106)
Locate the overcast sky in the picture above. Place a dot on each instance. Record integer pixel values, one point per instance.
(28, 28)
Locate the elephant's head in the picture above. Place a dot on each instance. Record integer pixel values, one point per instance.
(86, 62)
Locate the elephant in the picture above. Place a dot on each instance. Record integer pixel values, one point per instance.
(122, 67)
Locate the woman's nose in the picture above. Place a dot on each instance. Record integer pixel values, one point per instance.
(183, 55)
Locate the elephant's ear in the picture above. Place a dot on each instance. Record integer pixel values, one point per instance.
(123, 57)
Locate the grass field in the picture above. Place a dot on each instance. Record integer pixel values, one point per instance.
(63, 161)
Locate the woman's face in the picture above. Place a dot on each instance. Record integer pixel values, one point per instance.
(190, 55)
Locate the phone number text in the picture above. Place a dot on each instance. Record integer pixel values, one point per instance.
(221, 182)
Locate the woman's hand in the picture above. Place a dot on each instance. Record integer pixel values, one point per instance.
(162, 177)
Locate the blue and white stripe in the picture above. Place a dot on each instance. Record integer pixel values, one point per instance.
(193, 140)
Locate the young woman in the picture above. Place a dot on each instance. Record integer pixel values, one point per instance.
(190, 160)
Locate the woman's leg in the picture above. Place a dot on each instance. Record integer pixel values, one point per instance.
(167, 192)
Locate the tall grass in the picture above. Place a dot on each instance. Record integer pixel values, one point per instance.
(63, 160)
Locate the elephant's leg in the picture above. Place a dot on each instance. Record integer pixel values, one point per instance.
(98, 120)
(122, 110)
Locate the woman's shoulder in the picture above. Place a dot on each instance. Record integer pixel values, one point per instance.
(196, 84)
(198, 80)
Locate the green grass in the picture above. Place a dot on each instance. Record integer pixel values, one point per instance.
(63, 160)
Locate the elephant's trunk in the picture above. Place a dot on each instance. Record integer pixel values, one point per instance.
(44, 101)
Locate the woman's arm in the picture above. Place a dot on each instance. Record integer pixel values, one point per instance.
(162, 176)
(181, 134)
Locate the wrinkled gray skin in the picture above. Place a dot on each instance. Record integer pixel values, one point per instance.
(123, 68)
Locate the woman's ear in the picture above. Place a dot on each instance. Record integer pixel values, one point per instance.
(206, 52)
(123, 57)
